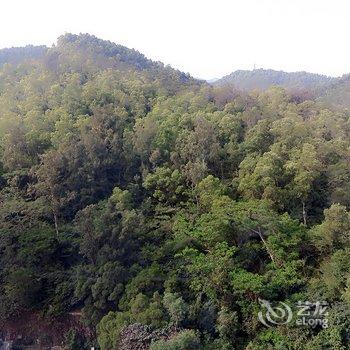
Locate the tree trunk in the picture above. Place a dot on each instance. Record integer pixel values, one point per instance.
(277, 263)
(266, 246)
(55, 218)
(56, 223)
(304, 214)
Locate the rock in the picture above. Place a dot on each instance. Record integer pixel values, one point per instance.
(139, 337)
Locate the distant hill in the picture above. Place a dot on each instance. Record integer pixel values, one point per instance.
(330, 91)
(86, 49)
(16, 55)
(338, 93)
(262, 79)
(88, 56)
(212, 80)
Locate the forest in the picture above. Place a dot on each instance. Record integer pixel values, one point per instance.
(144, 209)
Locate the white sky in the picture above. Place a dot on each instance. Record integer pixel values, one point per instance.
(205, 38)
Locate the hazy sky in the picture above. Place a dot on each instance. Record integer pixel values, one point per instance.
(205, 38)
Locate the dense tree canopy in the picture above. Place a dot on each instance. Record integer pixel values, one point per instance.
(159, 207)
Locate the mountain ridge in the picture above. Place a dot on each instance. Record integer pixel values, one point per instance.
(261, 79)
(332, 91)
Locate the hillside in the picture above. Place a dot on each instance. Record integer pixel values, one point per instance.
(142, 208)
(333, 92)
(18, 55)
(86, 54)
(338, 93)
(262, 79)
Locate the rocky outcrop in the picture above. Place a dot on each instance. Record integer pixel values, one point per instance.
(140, 337)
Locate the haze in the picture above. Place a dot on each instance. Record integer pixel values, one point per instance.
(205, 38)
